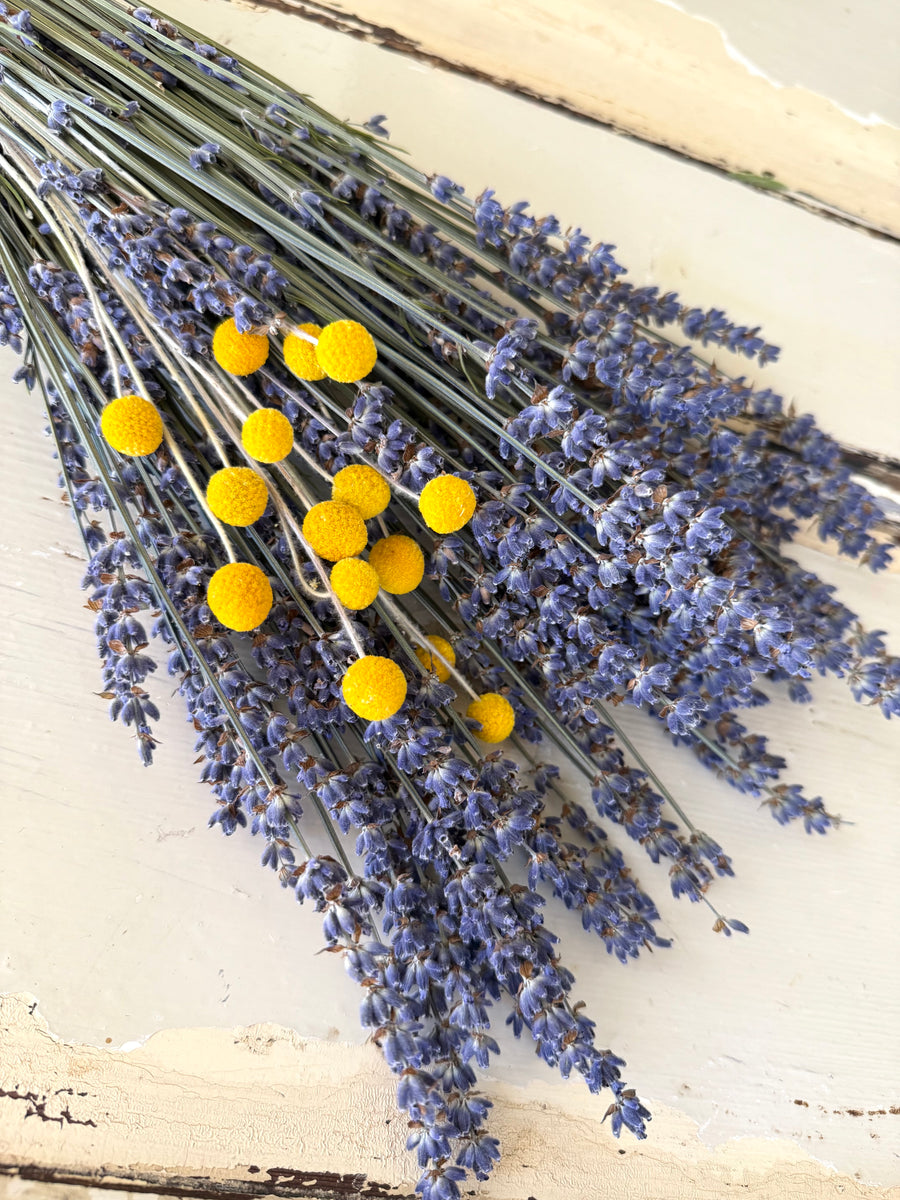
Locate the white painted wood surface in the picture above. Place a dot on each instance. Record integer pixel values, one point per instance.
(259, 1105)
(827, 294)
(806, 91)
(125, 917)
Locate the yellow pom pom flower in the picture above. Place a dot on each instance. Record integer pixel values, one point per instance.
(364, 488)
(132, 426)
(431, 662)
(374, 688)
(239, 353)
(446, 503)
(496, 714)
(300, 355)
(345, 351)
(335, 530)
(267, 435)
(237, 495)
(355, 583)
(399, 562)
(240, 596)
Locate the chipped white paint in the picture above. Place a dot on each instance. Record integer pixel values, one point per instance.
(807, 44)
(127, 918)
(237, 1104)
(689, 83)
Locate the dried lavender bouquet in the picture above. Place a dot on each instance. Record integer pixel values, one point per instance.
(269, 347)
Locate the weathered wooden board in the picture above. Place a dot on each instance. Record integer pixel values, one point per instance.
(768, 88)
(126, 918)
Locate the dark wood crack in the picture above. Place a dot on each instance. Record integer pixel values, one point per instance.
(284, 1182)
(37, 1107)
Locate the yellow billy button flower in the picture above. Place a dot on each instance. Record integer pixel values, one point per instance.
(237, 495)
(446, 503)
(355, 583)
(399, 562)
(374, 688)
(240, 596)
(132, 426)
(345, 351)
(335, 530)
(267, 435)
(496, 714)
(363, 487)
(300, 355)
(239, 353)
(431, 662)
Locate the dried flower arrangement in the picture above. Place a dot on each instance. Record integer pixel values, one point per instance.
(461, 486)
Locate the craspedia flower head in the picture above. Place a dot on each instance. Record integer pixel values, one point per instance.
(132, 426)
(346, 351)
(363, 487)
(355, 583)
(399, 562)
(300, 355)
(237, 495)
(374, 688)
(446, 503)
(267, 435)
(496, 715)
(431, 662)
(335, 530)
(239, 353)
(240, 596)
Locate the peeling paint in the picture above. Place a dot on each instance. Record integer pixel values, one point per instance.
(179, 1084)
(199, 1113)
(651, 70)
(753, 68)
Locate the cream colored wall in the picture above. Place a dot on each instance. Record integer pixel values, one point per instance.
(154, 948)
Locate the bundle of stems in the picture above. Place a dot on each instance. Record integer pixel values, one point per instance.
(265, 341)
